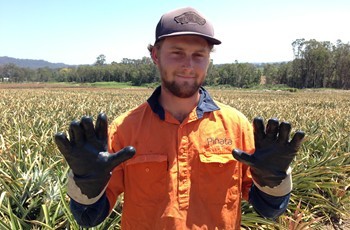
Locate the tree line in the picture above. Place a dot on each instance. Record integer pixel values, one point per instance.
(316, 64)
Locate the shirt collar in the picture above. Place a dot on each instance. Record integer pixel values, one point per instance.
(205, 103)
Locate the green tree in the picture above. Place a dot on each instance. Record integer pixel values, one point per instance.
(313, 64)
(12, 73)
(270, 71)
(44, 74)
(341, 76)
(100, 60)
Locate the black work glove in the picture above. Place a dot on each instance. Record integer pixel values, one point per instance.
(87, 156)
(273, 152)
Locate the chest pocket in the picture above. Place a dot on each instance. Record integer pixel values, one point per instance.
(218, 176)
(146, 178)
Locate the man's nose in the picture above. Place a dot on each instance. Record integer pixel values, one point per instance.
(187, 62)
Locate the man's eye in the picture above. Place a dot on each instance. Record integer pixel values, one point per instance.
(199, 55)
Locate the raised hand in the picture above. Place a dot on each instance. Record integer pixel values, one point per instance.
(273, 151)
(87, 156)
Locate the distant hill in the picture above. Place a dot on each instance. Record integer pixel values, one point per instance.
(32, 64)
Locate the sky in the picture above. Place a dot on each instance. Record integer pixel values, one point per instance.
(77, 31)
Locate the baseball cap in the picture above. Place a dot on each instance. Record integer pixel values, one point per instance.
(185, 21)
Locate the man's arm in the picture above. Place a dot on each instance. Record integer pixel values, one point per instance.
(267, 205)
(90, 215)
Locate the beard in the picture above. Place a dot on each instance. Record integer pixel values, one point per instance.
(185, 89)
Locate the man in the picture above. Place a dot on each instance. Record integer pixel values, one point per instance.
(184, 168)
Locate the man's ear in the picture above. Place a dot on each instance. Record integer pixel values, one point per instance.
(154, 55)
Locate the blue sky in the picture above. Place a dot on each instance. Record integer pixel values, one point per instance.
(77, 31)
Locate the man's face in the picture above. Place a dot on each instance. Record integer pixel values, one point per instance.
(183, 62)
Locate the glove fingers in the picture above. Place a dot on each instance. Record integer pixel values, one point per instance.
(63, 144)
(121, 156)
(284, 132)
(297, 140)
(101, 127)
(259, 130)
(272, 128)
(88, 128)
(76, 133)
(243, 157)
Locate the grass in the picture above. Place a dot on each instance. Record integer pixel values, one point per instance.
(30, 85)
(33, 172)
(117, 85)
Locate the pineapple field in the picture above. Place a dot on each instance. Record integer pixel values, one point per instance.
(33, 172)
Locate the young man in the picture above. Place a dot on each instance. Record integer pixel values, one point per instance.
(184, 168)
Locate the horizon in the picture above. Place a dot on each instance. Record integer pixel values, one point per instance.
(76, 33)
(74, 65)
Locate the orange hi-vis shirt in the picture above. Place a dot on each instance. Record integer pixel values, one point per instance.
(183, 175)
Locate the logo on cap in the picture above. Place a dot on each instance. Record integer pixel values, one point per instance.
(190, 18)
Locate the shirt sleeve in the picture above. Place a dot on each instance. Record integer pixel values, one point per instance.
(266, 205)
(249, 147)
(90, 215)
(116, 183)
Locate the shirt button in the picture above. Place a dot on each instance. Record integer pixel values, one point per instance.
(221, 165)
(147, 169)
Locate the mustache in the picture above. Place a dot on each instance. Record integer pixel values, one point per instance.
(185, 73)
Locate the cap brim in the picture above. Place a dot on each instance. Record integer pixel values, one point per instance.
(210, 39)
